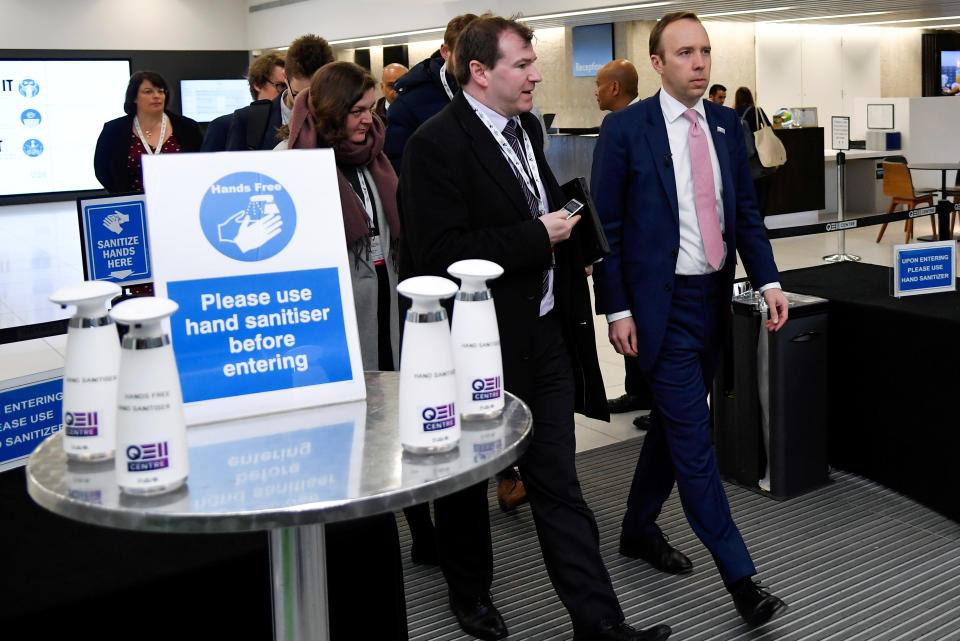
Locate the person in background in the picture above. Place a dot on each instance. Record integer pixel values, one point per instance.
(672, 186)
(751, 117)
(616, 85)
(390, 74)
(267, 80)
(617, 88)
(718, 94)
(148, 128)
(336, 111)
(423, 91)
(475, 184)
(256, 126)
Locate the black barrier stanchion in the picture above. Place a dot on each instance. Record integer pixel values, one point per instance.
(841, 256)
(944, 209)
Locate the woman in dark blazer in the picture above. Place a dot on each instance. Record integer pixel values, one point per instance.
(148, 128)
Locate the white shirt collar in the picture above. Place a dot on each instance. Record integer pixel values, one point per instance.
(634, 101)
(673, 108)
(498, 120)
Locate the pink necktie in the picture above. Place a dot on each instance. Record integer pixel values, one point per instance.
(704, 191)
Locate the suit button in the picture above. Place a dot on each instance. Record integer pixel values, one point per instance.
(530, 296)
(668, 287)
(525, 357)
(674, 253)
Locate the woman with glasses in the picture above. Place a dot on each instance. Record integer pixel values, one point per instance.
(336, 110)
(148, 128)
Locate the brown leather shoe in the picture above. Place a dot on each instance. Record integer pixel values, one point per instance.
(510, 493)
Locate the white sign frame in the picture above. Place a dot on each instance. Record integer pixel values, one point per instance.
(840, 132)
(949, 245)
(176, 185)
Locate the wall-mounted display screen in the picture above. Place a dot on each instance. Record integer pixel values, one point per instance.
(950, 73)
(204, 100)
(592, 48)
(51, 113)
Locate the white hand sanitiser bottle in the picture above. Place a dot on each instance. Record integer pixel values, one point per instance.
(476, 341)
(90, 372)
(151, 433)
(428, 384)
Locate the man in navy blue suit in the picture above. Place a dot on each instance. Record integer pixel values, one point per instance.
(672, 185)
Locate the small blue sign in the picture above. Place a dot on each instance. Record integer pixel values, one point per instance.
(247, 216)
(28, 415)
(304, 466)
(592, 48)
(28, 88)
(924, 269)
(30, 118)
(239, 335)
(33, 147)
(116, 241)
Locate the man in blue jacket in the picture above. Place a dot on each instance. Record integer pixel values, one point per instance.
(672, 185)
(422, 92)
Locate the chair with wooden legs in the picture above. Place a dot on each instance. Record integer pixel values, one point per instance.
(898, 186)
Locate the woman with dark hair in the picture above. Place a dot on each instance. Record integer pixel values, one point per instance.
(363, 555)
(148, 128)
(752, 118)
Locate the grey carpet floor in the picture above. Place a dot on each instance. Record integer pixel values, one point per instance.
(853, 560)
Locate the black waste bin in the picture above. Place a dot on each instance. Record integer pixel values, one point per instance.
(784, 381)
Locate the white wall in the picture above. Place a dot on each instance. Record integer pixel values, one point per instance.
(124, 24)
(933, 137)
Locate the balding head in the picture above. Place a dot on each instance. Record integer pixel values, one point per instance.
(616, 85)
(390, 74)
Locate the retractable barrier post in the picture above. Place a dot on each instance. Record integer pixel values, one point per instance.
(841, 255)
(944, 209)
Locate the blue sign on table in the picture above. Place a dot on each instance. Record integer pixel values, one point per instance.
(116, 241)
(28, 415)
(924, 268)
(239, 335)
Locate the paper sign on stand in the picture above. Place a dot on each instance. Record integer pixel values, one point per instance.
(251, 246)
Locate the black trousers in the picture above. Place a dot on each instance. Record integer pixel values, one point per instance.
(565, 525)
(635, 383)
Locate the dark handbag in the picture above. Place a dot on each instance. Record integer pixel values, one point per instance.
(593, 242)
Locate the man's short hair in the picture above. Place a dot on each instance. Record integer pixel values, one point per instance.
(455, 27)
(658, 28)
(260, 69)
(307, 54)
(480, 41)
(715, 88)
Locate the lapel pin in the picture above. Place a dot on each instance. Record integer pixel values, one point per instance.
(721, 129)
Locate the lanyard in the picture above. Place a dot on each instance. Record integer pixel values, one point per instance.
(443, 80)
(511, 155)
(143, 139)
(367, 203)
(376, 249)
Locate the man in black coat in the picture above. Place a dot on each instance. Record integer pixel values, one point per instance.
(465, 194)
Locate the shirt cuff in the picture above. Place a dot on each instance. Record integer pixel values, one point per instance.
(618, 315)
(774, 285)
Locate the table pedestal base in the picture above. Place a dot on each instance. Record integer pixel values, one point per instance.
(298, 563)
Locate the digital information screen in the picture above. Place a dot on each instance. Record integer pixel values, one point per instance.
(204, 100)
(51, 114)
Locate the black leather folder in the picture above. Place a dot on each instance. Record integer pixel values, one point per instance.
(593, 241)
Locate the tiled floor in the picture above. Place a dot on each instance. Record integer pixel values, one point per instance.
(39, 251)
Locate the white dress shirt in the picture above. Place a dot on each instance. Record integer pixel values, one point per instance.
(692, 258)
(499, 121)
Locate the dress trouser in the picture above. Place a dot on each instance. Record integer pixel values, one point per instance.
(634, 381)
(678, 447)
(566, 527)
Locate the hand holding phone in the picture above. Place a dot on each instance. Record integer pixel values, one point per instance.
(572, 207)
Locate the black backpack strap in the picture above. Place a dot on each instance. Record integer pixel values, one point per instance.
(257, 123)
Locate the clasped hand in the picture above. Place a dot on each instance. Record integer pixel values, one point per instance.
(558, 225)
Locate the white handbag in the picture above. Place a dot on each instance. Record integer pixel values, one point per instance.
(770, 150)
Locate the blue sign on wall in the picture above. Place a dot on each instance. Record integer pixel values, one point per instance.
(239, 335)
(925, 268)
(592, 48)
(28, 415)
(116, 241)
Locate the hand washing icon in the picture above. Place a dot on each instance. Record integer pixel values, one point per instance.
(253, 227)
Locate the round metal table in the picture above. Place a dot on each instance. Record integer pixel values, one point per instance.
(288, 473)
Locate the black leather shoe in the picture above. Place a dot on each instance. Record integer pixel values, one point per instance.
(626, 403)
(658, 553)
(623, 632)
(477, 617)
(642, 422)
(755, 604)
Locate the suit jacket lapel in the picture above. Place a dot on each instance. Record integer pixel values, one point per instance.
(489, 155)
(656, 134)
